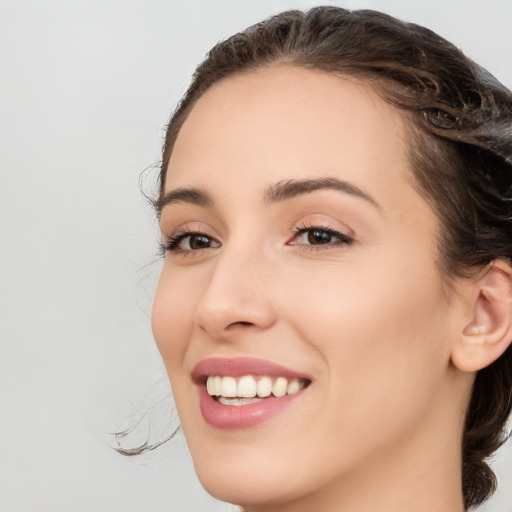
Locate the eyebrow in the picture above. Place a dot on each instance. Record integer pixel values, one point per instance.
(184, 195)
(281, 191)
(292, 188)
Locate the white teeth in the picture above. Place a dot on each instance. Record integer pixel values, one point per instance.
(250, 389)
(237, 402)
(228, 388)
(217, 385)
(293, 387)
(264, 387)
(210, 386)
(279, 387)
(246, 387)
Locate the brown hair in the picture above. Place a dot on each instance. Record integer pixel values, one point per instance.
(460, 120)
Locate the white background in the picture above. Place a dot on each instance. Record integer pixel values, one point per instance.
(86, 87)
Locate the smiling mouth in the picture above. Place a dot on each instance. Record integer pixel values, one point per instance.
(243, 392)
(248, 389)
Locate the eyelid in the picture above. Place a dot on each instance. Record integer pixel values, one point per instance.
(343, 238)
(171, 242)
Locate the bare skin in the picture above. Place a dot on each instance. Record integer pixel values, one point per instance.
(359, 304)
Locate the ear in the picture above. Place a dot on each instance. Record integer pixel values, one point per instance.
(489, 332)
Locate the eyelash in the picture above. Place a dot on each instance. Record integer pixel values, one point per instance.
(342, 238)
(172, 245)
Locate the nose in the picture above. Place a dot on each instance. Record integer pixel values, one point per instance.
(237, 297)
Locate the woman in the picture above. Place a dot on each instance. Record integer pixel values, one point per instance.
(334, 310)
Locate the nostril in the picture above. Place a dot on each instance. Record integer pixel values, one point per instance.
(240, 324)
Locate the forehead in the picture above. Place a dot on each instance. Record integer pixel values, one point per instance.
(286, 122)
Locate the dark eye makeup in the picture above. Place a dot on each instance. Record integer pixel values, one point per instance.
(185, 241)
(311, 237)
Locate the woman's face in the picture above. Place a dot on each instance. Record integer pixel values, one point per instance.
(298, 248)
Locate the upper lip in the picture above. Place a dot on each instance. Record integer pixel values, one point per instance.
(239, 366)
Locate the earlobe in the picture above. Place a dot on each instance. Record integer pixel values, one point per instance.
(489, 332)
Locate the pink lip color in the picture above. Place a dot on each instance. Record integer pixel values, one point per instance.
(239, 366)
(236, 417)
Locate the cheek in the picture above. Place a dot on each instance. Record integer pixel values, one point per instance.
(171, 319)
(173, 330)
(383, 337)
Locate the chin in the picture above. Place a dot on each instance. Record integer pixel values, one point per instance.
(250, 484)
(249, 493)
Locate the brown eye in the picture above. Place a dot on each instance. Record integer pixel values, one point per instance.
(188, 242)
(198, 241)
(319, 236)
(309, 237)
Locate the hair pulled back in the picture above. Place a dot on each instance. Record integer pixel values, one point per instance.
(460, 148)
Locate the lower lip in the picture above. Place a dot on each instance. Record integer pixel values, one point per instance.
(243, 416)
